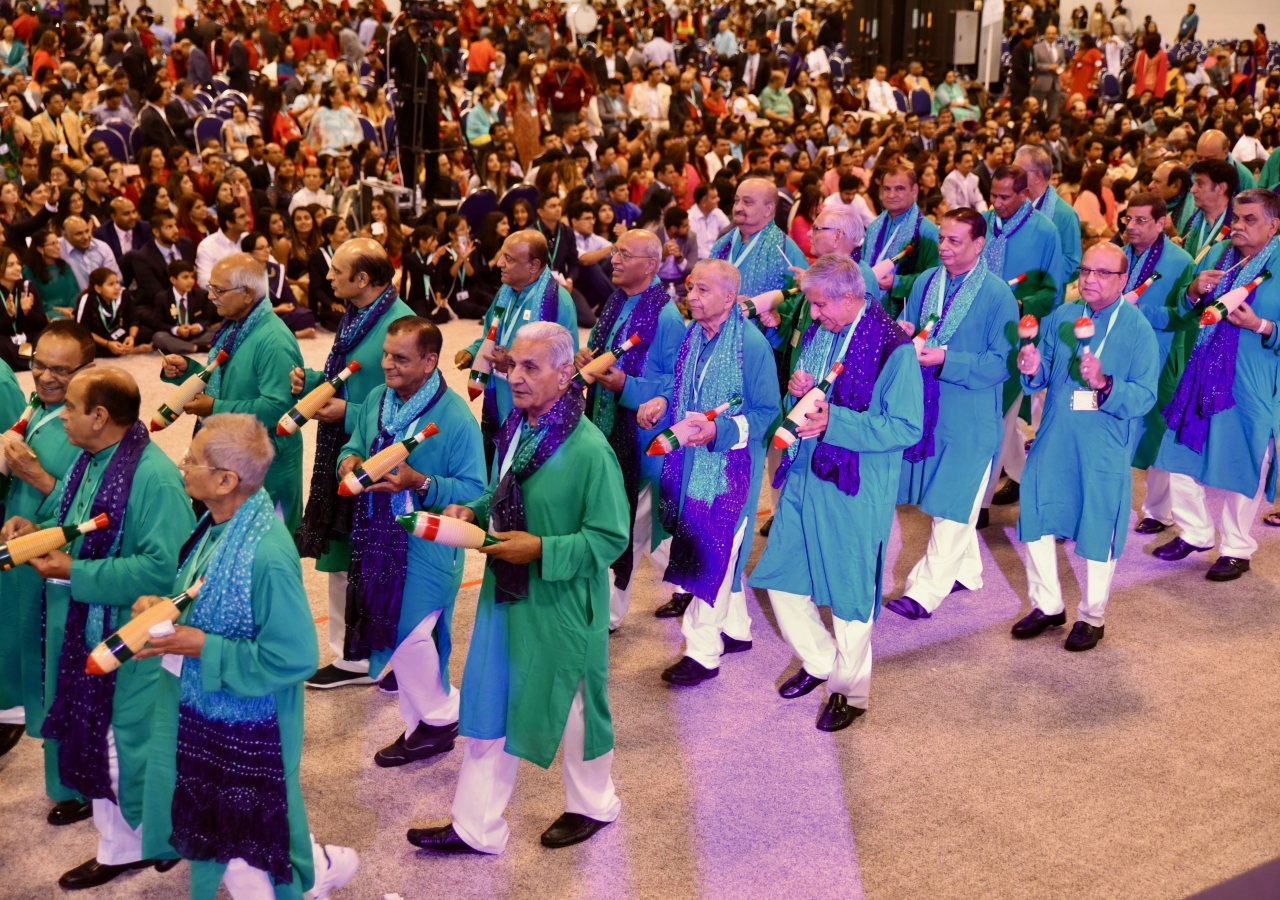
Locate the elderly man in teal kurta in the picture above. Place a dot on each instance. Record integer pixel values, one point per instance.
(964, 363)
(901, 243)
(361, 275)
(12, 718)
(1223, 416)
(102, 723)
(537, 670)
(529, 293)
(1078, 483)
(839, 481)
(1213, 184)
(36, 462)
(255, 379)
(1045, 200)
(231, 687)
(402, 589)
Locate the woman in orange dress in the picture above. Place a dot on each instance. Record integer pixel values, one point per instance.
(1086, 68)
(522, 104)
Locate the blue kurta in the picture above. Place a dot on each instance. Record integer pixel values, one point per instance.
(1239, 436)
(1067, 221)
(970, 414)
(12, 404)
(1077, 483)
(454, 459)
(923, 258)
(762, 270)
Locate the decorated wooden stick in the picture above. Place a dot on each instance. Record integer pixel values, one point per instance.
(1213, 242)
(309, 405)
(133, 635)
(46, 540)
(891, 264)
(677, 434)
(787, 432)
(1028, 329)
(1133, 295)
(1014, 282)
(1229, 302)
(1084, 333)
(752, 307)
(598, 366)
(184, 393)
(925, 330)
(370, 472)
(902, 255)
(18, 429)
(482, 366)
(446, 530)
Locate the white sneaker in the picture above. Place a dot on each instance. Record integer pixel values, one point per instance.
(335, 866)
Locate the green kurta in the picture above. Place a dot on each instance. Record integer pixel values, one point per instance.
(157, 520)
(923, 258)
(62, 290)
(11, 406)
(276, 662)
(1269, 177)
(527, 658)
(256, 381)
(369, 354)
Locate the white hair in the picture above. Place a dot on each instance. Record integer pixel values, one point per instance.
(1034, 159)
(239, 443)
(243, 271)
(835, 275)
(846, 221)
(554, 335)
(723, 272)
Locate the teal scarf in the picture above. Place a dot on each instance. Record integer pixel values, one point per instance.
(1000, 235)
(230, 339)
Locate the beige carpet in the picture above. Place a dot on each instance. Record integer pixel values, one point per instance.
(985, 768)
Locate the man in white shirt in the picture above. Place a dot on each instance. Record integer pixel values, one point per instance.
(592, 248)
(720, 154)
(312, 191)
(726, 42)
(233, 222)
(880, 101)
(1249, 148)
(707, 220)
(961, 186)
(658, 51)
(84, 252)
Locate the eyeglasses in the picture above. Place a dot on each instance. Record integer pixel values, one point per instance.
(823, 228)
(628, 257)
(187, 463)
(1140, 221)
(218, 292)
(56, 371)
(1096, 273)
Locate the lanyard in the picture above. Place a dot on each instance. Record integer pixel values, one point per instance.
(844, 348)
(49, 415)
(59, 129)
(746, 249)
(555, 248)
(115, 312)
(200, 557)
(1112, 324)
(510, 458)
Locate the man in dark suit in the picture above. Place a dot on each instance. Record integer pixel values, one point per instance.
(754, 65)
(237, 58)
(154, 122)
(992, 159)
(1020, 66)
(609, 54)
(150, 261)
(137, 65)
(183, 316)
(182, 112)
(123, 233)
(255, 164)
(924, 140)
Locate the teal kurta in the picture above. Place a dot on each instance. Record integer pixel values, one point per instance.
(1247, 181)
(825, 543)
(256, 381)
(1239, 437)
(157, 520)
(1201, 233)
(1175, 330)
(12, 405)
(276, 662)
(1078, 483)
(970, 414)
(527, 658)
(764, 271)
(454, 459)
(803, 318)
(1067, 221)
(924, 257)
(369, 354)
(1269, 177)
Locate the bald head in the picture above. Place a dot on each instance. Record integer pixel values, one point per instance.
(523, 257)
(1107, 267)
(637, 260)
(1213, 144)
(754, 205)
(361, 271)
(100, 406)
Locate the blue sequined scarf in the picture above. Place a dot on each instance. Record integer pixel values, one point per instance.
(1000, 234)
(547, 290)
(230, 337)
(884, 243)
(761, 262)
(83, 703)
(1140, 269)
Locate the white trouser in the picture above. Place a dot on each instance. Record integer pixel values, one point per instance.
(844, 662)
(952, 556)
(338, 623)
(1158, 504)
(488, 776)
(244, 882)
(703, 623)
(14, 715)
(117, 842)
(641, 539)
(1046, 591)
(1013, 453)
(422, 694)
(1191, 514)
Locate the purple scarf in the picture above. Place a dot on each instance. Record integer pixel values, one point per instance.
(932, 375)
(1149, 263)
(327, 514)
(82, 706)
(875, 338)
(506, 510)
(620, 428)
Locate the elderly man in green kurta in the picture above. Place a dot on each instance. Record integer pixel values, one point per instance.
(361, 274)
(901, 243)
(36, 462)
(256, 378)
(538, 667)
(11, 715)
(101, 724)
(232, 686)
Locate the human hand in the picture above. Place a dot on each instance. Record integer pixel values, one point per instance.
(1029, 359)
(884, 272)
(801, 383)
(458, 511)
(584, 356)
(347, 465)
(403, 478)
(930, 356)
(704, 430)
(128, 342)
(517, 547)
(297, 380)
(185, 641)
(908, 328)
(56, 564)
(334, 410)
(116, 348)
(769, 319)
(613, 379)
(815, 422)
(462, 359)
(16, 527)
(651, 412)
(1205, 282)
(200, 405)
(1091, 372)
(501, 363)
(28, 301)
(175, 366)
(1244, 317)
(24, 463)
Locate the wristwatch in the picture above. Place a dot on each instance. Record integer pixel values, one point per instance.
(421, 490)
(1105, 392)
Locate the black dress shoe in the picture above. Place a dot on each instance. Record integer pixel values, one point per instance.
(733, 645)
(908, 609)
(332, 677)
(799, 684)
(957, 588)
(838, 714)
(93, 873)
(388, 684)
(1177, 549)
(570, 829)
(675, 607)
(1150, 526)
(442, 840)
(9, 737)
(68, 812)
(164, 865)
(1227, 568)
(1036, 622)
(1084, 636)
(1007, 494)
(688, 672)
(766, 527)
(425, 742)
(984, 518)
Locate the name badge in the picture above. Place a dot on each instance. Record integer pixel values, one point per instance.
(173, 311)
(19, 339)
(62, 148)
(4, 148)
(795, 338)
(462, 295)
(527, 315)
(1084, 400)
(117, 334)
(559, 95)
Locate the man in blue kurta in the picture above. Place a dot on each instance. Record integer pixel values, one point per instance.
(102, 724)
(900, 229)
(1213, 184)
(402, 590)
(711, 484)
(226, 736)
(538, 666)
(361, 276)
(1078, 483)
(12, 718)
(639, 306)
(839, 481)
(1035, 161)
(529, 293)
(1223, 416)
(964, 363)
(1022, 248)
(256, 377)
(1215, 145)
(1172, 182)
(1159, 273)
(36, 463)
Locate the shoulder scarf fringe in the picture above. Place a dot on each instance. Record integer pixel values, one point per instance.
(878, 233)
(546, 288)
(999, 235)
(230, 337)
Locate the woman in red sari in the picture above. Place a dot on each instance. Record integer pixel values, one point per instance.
(1085, 68)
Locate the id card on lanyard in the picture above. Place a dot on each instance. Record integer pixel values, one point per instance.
(1087, 400)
